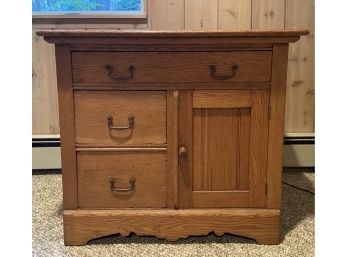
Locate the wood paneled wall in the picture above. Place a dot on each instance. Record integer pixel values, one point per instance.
(44, 85)
(203, 15)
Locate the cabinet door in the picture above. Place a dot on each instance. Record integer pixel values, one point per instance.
(223, 137)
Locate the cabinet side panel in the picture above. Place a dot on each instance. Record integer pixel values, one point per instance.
(276, 125)
(67, 126)
(258, 148)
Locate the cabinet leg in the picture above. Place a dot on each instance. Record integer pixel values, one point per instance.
(268, 240)
(72, 237)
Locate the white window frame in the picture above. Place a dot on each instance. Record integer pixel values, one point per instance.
(94, 15)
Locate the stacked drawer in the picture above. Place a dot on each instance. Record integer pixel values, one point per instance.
(121, 143)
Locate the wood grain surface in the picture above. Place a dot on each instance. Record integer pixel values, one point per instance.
(168, 67)
(166, 14)
(300, 83)
(93, 107)
(229, 149)
(234, 14)
(220, 199)
(172, 149)
(268, 14)
(124, 33)
(201, 14)
(96, 168)
(258, 148)
(243, 153)
(185, 133)
(221, 98)
(276, 126)
(83, 225)
(67, 126)
(45, 118)
(221, 149)
(215, 135)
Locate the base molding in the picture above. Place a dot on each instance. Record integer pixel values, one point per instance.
(80, 226)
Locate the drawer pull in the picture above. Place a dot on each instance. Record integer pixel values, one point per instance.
(115, 189)
(213, 74)
(131, 123)
(112, 76)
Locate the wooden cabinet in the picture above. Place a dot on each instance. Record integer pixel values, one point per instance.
(171, 134)
(223, 137)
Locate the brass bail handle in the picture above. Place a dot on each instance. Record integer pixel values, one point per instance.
(115, 189)
(110, 123)
(213, 74)
(113, 76)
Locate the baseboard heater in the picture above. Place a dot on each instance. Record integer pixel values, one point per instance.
(46, 152)
(298, 151)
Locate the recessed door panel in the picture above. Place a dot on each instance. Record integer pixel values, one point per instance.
(221, 152)
(225, 141)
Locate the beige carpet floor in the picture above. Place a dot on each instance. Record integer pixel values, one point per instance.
(297, 228)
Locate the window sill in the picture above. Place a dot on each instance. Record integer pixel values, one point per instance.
(121, 20)
(91, 15)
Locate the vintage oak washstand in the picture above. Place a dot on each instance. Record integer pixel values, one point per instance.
(171, 133)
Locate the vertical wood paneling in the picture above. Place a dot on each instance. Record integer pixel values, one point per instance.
(201, 14)
(268, 14)
(234, 14)
(44, 85)
(300, 83)
(166, 14)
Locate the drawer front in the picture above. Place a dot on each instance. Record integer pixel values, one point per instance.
(171, 67)
(96, 169)
(116, 118)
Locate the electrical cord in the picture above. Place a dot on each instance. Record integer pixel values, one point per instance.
(299, 188)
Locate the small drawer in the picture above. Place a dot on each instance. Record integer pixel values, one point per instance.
(121, 180)
(120, 118)
(169, 67)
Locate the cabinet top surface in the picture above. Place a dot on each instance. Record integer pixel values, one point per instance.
(158, 34)
(79, 37)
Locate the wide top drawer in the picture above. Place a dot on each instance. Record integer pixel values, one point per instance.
(171, 67)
